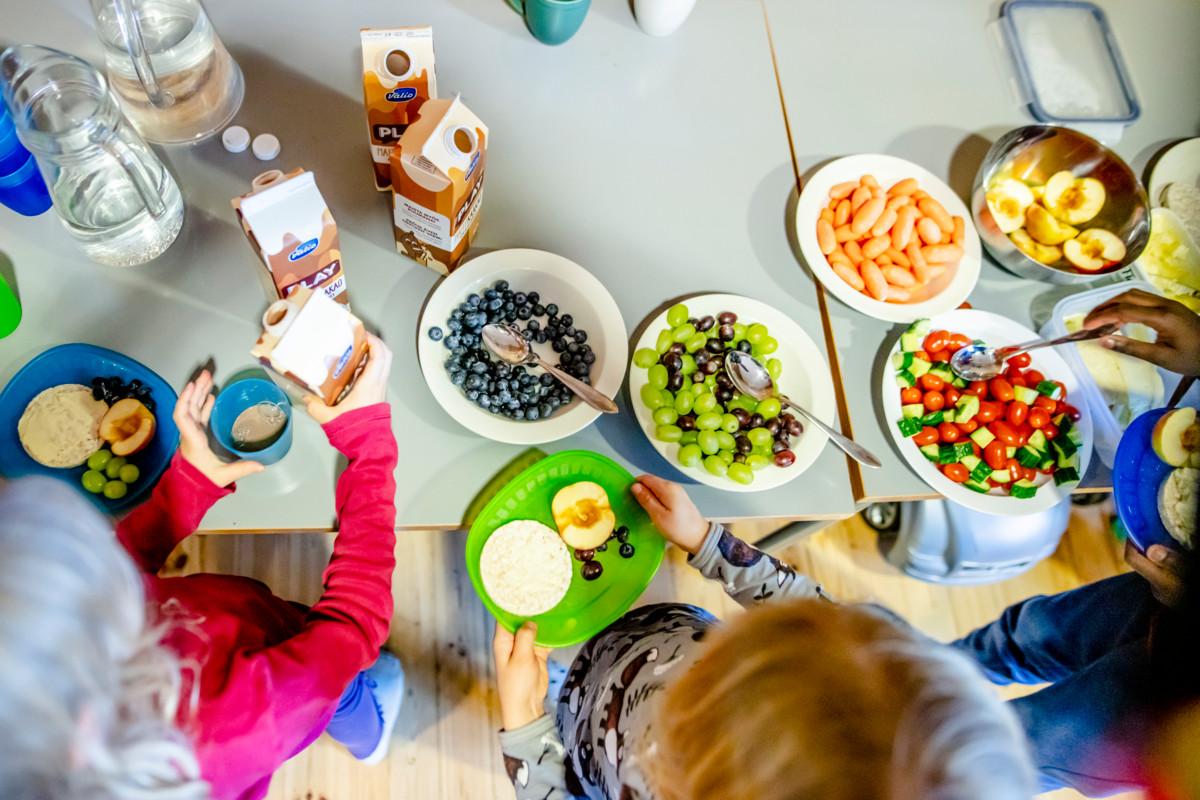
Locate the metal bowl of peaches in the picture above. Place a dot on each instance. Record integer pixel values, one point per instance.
(1052, 204)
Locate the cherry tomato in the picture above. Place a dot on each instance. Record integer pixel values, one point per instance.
(1017, 411)
(1001, 389)
(1005, 433)
(927, 435)
(1028, 473)
(1049, 404)
(995, 455)
(921, 354)
(936, 340)
(952, 394)
(957, 342)
(1020, 360)
(1071, 411)
(956, 472)
(909, 395)
(940, 355)
(934, 401)
(1038, 418)
(977, 388)
(1050, 431)
(1033, 377)
(988, 411)
(1023, 434)
(976, 449)
(970, 426)
(1012, 373)
(930, 382)
(949, 432)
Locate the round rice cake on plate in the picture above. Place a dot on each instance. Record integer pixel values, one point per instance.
(60, 427)
(525, 567)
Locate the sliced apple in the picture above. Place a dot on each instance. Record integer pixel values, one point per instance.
(583, 515)
(1007, 200)
(1194, 459)
(1094, 249)
(128, 427)
(1042, 253)
(1044, 228)
(1073, 200)
(1172, 435)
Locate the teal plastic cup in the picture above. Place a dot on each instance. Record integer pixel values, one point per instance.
(240, 395)
(552, 21)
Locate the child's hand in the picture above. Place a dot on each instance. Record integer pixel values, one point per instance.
(1178, 345)
(521, 675)
(1163, 567)
(191, 414)
(370, 387)
(672, 512)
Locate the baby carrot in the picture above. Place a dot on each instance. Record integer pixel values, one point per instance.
(959, 230)
(866, 216)
(853, 251)
(842, 233)
(841, 215)
(876, 246)
(849, 275)
(825, 237)
(933, 209)
(869, 180)
(885, 222)
(903, 188)
(919, 266)
(861, 195)
(873, 278)
(942, 253)
(843, 190)
(902, 231)
(896, 202)
(898, 258)
(899, 276)
(929, 231)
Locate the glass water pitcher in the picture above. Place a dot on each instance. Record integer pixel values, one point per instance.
(109, 188)
(175, 79)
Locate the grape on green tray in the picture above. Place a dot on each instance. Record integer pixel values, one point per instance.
(129, 473)
(115, 490)
(99, 460)
(93, 480)
(113, 468)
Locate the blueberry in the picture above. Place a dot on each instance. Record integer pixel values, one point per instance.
(458, 378)
(602, 548)
(531, 413)
(479, 367)
(622, 534)
(626, 550)
(474, 300)
(567, 319)
(473, 395)
(519, 298)
(533, 297)
(589, 357)
(496, 305)
(552, 309)
(538, 309)
(541, 337)
(545, 409)
(484, 401)
(501, 286)
(581, 336)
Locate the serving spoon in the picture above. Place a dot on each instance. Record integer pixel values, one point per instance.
(752, 379)
(511, 347)
(977, 362)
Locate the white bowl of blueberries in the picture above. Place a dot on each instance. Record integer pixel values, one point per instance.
(564, 312)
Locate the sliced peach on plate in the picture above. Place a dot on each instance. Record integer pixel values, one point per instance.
(128, 427)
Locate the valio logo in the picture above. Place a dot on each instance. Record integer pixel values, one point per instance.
(302, 249)
(401, 94)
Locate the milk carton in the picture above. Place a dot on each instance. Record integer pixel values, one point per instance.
(290, 227)
(398, 77)
(314, 342)
(437, 184)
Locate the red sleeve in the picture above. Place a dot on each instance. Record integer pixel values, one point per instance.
(173, 512)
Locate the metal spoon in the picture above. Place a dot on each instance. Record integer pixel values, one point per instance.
(510, 346)
(979, 362)
(751, 378)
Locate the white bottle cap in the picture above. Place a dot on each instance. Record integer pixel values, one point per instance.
(265, 147)
(235, 138)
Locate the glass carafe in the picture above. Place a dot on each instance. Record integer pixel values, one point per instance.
(174, 77)
(109, 188)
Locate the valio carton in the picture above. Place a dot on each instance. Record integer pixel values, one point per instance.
(288, 224)
(398, 77)
(314, 342)
(437, 184)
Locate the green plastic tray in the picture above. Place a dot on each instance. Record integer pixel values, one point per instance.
(589, 606)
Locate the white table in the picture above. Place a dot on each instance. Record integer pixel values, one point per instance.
(920, 80)
(660, 165)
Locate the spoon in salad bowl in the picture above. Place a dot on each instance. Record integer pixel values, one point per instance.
(978, 362)
(511, 347)
(752, 379)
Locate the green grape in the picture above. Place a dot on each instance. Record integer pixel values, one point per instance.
(684, 332)
(686, 386)
(93, 480)
(115, 490)
(668, 397)
(695, 343)
(664, 341)
(657, 376)
(710, 381)
(651, 397)
(716, 466)
(756, 333)
(668, 433)
(741, 473)
(689, 364)
(757, 461)
(725, 440)
(739, 331)
(726, 456)
(767, 346)
(688, 437)
(699, 388)
(645, 358)
(665, 416)
(129, 473)
(760, 437)
(677, 315)
(99, 460)
(690, 455)
(774, 368)
(769, 407)
(705, 403)
(708, 442)
(729, 423)
(765, 450)
(708, 422)
(683, 402)
(113, 468)
(742, 402)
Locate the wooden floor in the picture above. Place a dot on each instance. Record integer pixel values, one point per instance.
(445, 744)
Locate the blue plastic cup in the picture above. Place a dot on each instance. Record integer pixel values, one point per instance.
(12, 152)
(24, 191)
(236, 398)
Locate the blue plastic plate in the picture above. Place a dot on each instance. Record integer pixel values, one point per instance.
(1138, 474)
(79, 363)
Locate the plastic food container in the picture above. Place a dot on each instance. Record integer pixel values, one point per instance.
(1108, 429)
(1066, 63)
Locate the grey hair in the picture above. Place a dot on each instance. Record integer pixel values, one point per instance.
(88, 694)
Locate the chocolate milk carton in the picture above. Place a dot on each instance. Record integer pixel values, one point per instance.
(314, 342)
(290, 227)
(437, 184)
(398, 77)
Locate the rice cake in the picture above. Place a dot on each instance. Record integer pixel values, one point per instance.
(525, 567)
(60, 427)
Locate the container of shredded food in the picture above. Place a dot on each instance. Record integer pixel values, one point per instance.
(1171, 260)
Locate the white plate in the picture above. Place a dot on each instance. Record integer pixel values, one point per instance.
(1179, 164)
(576, 292)
(805, 379)
(887, 170)
(996, 331)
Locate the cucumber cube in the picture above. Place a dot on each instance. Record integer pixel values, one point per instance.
(1066, 475)
(1050, 389)
(902, 360)
(1023, 490)
(913, 411)
(931, 452)
(919, 367)
(966, 408)
(909, 426)
(1037, 440)
(982, 437)
(904, 379)
(911, 342)
(1025, 394)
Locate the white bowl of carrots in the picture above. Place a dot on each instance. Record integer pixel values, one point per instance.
(887, 237)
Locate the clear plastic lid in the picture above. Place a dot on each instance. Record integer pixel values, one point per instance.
(1067, 63)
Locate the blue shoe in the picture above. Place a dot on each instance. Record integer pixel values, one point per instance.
(386, 679)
